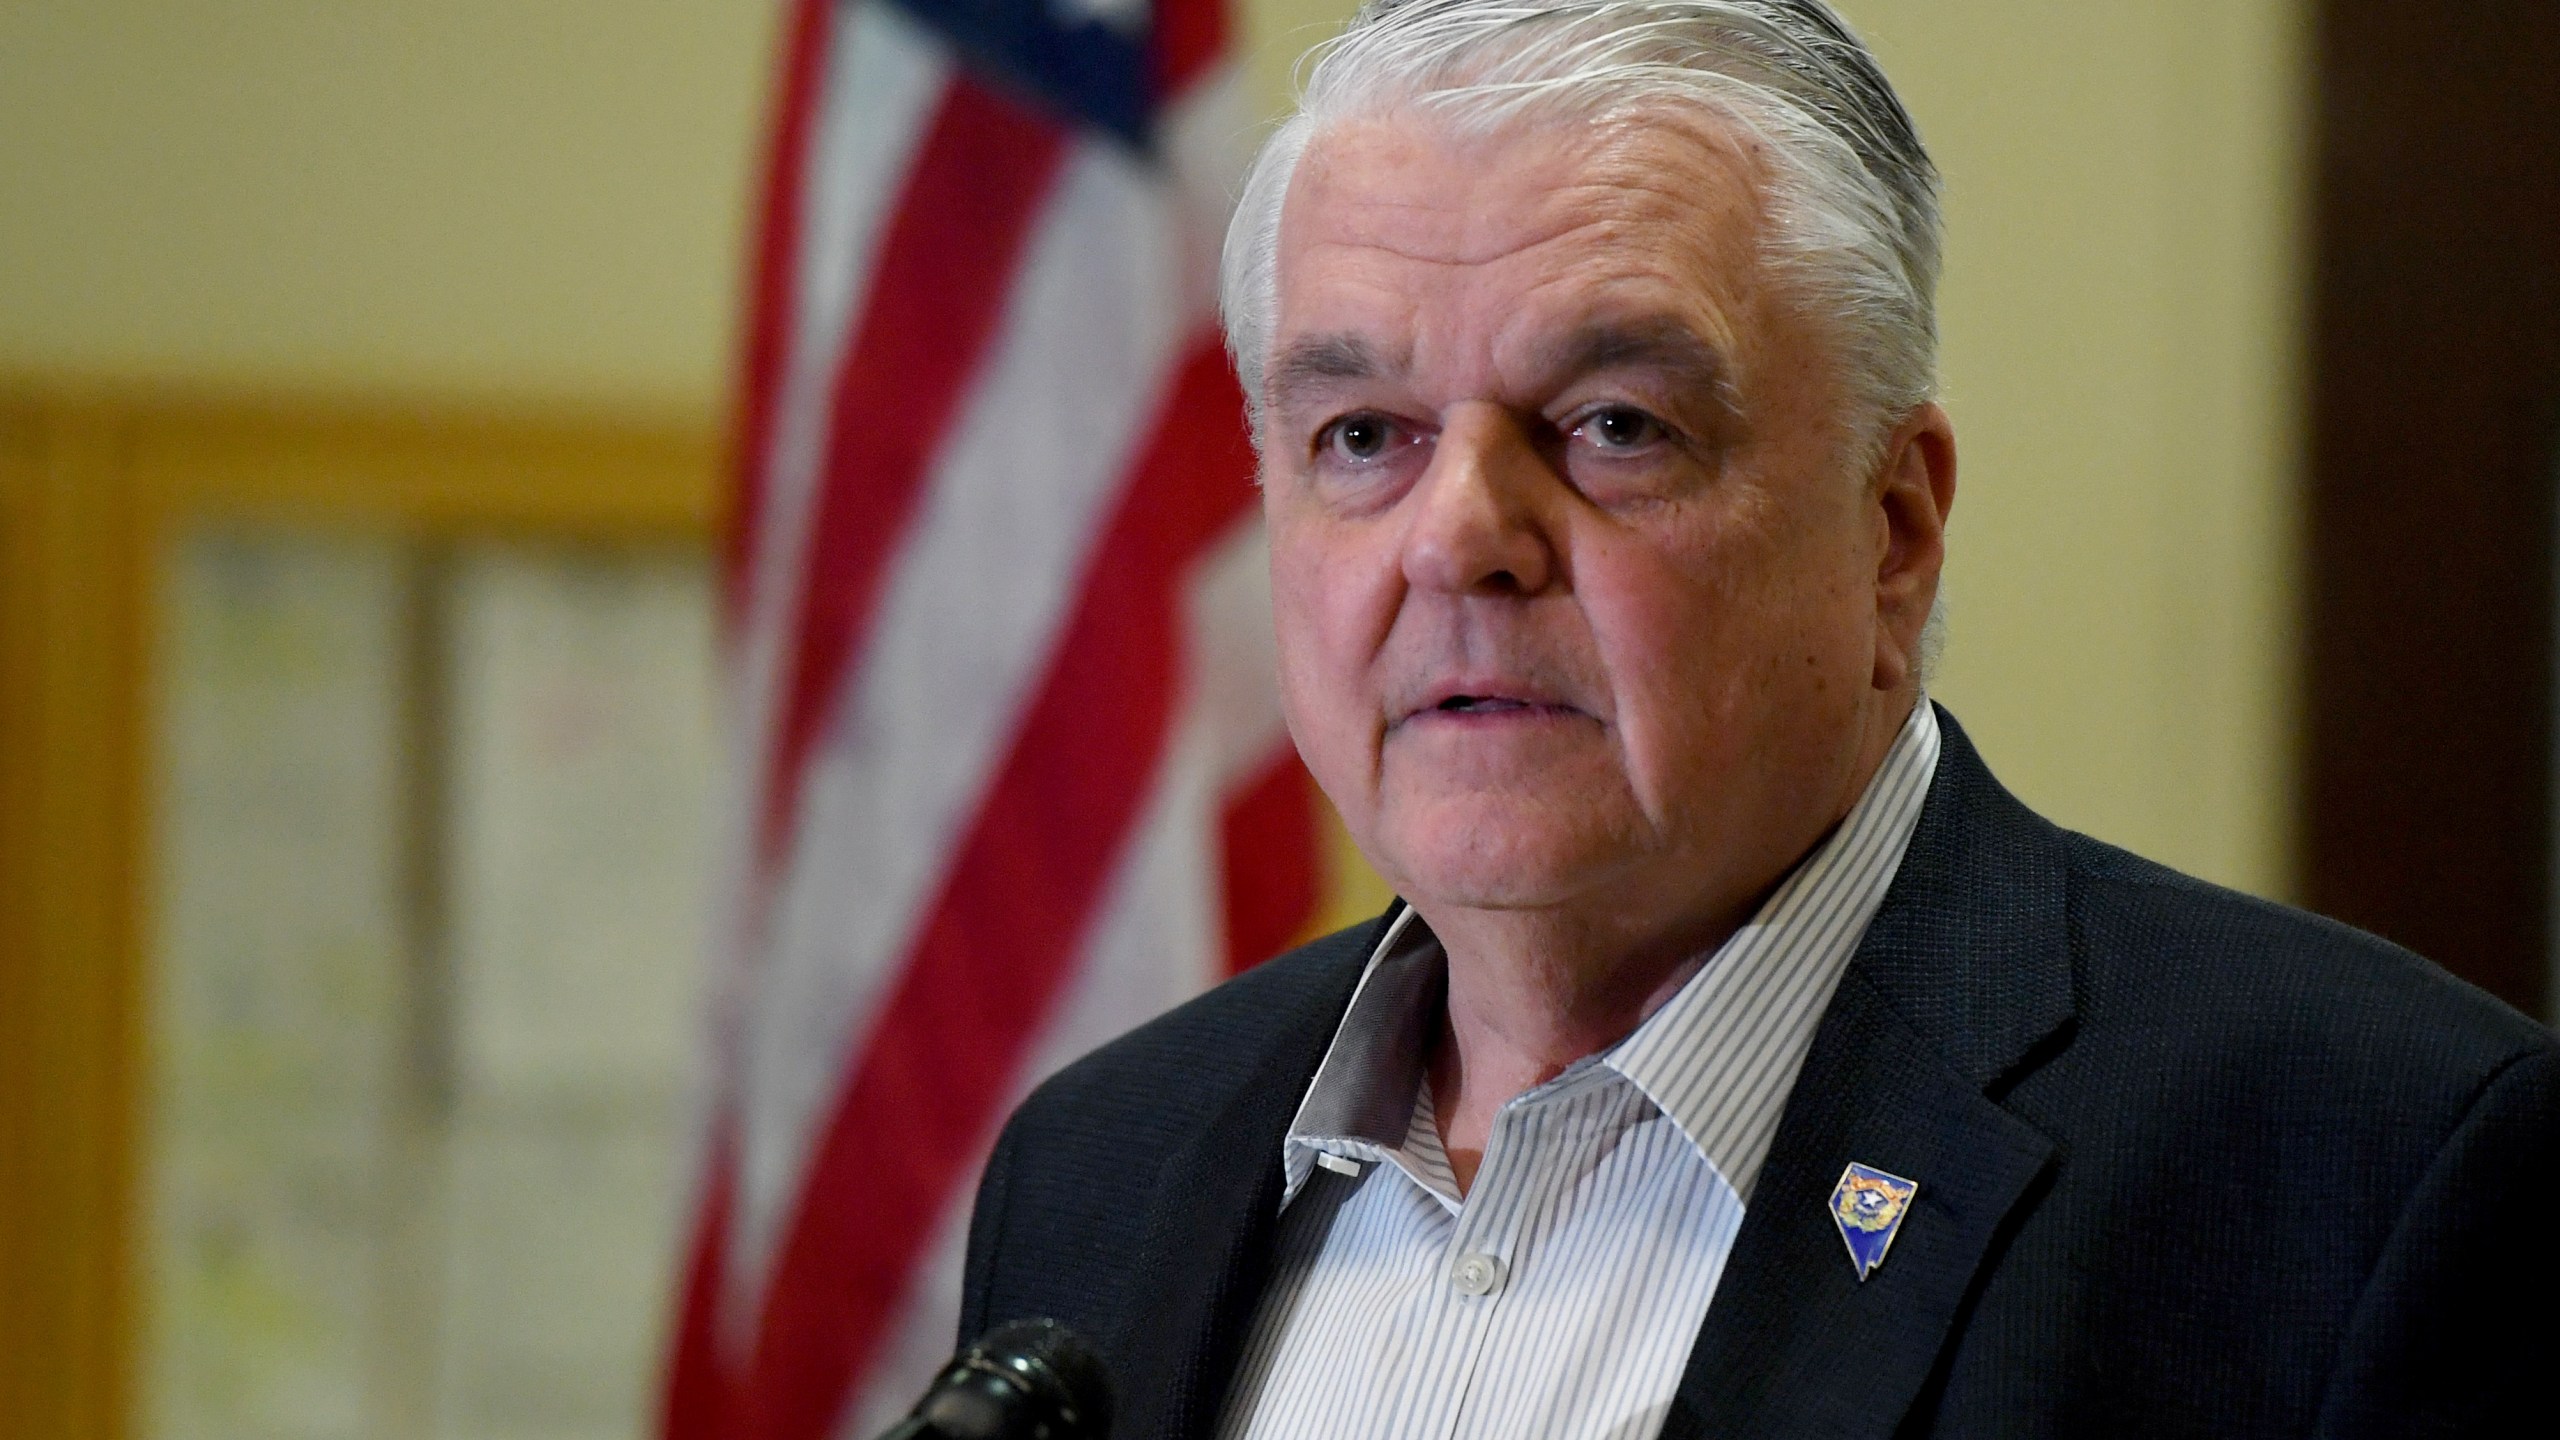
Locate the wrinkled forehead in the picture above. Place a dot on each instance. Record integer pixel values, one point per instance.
(1410, 230)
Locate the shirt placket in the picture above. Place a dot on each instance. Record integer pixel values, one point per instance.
(1479, 1266)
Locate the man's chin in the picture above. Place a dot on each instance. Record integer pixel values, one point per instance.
(1487, 864)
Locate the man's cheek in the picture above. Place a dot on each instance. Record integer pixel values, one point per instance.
(1313, 693)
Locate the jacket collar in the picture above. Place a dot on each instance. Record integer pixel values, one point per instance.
(1971, 946)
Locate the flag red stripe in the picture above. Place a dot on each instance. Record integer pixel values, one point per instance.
(1189, 36)
(937, 296)
(1267, 859)
(696, 1403)
(1000, 940)
(771, 293)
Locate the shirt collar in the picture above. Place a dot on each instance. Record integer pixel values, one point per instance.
(1718, 1059)
(1364, 1089)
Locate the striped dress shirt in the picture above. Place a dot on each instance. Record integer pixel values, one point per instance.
(1559, 1297)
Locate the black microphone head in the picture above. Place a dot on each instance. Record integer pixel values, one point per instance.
(1023, 1380)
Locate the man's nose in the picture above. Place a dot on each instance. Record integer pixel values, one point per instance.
(1482, 527)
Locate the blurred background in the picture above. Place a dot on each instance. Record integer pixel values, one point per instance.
(366, 372)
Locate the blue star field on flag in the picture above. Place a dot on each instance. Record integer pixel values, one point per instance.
(1085, 61)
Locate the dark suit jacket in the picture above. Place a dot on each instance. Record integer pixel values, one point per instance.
(2189, 1164)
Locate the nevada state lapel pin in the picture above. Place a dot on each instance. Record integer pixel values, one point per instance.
(1868, 1205)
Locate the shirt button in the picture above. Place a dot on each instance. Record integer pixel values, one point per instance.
(1477, 1275)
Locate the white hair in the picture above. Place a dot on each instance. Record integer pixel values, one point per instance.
(1852, 195)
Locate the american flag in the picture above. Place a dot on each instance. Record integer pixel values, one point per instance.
(1011, 771)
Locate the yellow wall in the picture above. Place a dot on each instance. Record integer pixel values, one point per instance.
(527, 200)
(2122, 354)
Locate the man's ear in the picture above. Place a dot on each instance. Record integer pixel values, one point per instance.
(1915, 488)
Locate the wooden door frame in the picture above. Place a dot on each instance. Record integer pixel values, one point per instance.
(94, 486)
(2435, 427)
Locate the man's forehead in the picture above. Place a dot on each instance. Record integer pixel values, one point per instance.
(1544, 248)
(1436, 188)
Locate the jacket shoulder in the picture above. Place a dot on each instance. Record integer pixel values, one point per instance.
(1063, 1206)
(2212, 968)
(1181, 1066)
(2275, 1138)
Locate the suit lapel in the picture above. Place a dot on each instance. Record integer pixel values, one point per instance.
(1207, 1249)
(1962, 981)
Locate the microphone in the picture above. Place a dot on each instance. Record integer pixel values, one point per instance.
(1023, 1380)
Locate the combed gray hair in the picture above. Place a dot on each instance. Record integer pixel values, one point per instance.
(1853, 202)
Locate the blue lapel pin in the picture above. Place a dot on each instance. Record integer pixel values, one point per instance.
(1868, 1206)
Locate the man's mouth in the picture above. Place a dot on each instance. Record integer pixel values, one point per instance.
(1484, 705)
(1488, 698)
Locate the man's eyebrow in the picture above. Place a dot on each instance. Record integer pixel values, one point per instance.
(1664, 344)
(1657, 344)
(1315, 359)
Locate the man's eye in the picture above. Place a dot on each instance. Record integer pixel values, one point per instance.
(1620, 427)
(1357, 437)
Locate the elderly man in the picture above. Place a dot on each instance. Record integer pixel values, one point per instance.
(1742, 1060)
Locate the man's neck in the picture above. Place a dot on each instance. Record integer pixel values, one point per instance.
(1529, 995)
